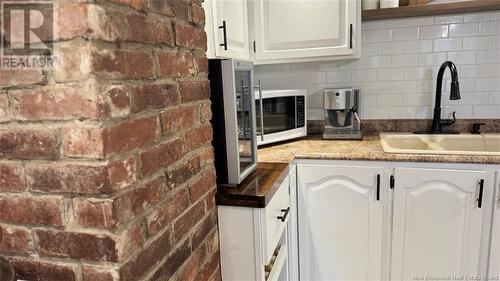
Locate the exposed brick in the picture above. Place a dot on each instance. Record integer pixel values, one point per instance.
(198, 14)
(205, 111)
(173, 263)
(159, 6)
(136, 201)
(42, 271)
(176, 64)
(81, 246)
(28, 145)
(191, 267)
(122, 173)
(61, 177)
(202, 231)
(180, 9)
(130, 241)
(202, 64)
(71, 65)
(153, 96)
(4, 107)
(14, 239)
(11, 178)
(159, 157)
(209, 268)
(195, 90)
(190, 37)
(83, 142)
(207, 155)
(188, 220)
(117, 101)
(46, 210)
(131, 134)
(74, 19)
(107, 24)
(57, 103)
(198, 136)
(204, 183)
(144, 30)
(210, 199)
(168, 212)
(136, 4)
(10, 78)
(152, 254)
(178, 118)
(183, 172)
(122, 64)
(93, 273)
(96, 213)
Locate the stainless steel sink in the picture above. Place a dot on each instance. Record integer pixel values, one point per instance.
(466, 144)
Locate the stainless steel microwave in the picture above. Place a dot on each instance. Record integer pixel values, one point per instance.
(281, 115)
(233, 119)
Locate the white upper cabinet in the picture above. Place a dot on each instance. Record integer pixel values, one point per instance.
(437, 223)
(228, 29)
(301, 30)
(340, 222)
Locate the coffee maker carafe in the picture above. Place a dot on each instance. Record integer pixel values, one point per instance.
(341, 108)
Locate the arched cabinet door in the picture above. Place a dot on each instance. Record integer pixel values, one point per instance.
(437, 223)
(340, 222)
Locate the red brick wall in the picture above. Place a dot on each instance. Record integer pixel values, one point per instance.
(106, 167)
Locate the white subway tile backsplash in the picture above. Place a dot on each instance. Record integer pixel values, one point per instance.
(399, 64)
(422, 46)
(478, 43)
(464, 29)
(409, 33)
(391, 48)
(483, 16)
(403, 87)
(404, 60)
(376, 35)
(449, 44)
(448, 19)
(431, 59)
(475, 70)
(390, 74)
(434, 31)
(463, 57)
(389, 100)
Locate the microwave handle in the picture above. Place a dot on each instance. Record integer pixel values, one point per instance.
(261, 110)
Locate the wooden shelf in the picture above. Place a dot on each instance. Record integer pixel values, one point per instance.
(431, 9)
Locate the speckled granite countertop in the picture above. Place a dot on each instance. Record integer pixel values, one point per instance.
(313, 147)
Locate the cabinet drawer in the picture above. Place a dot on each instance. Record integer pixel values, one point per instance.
(274, 219)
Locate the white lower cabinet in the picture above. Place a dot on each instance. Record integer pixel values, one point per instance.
(437, 223)
(259, 243)
(494, 263)
(340, 222)
(432, 221)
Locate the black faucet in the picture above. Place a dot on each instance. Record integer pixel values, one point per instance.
(437, 123)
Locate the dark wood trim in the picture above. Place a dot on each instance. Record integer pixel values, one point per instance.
(431, 9)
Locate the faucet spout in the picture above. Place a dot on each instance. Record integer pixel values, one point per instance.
(437, 123)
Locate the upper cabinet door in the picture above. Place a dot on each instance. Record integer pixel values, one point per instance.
(340, 222)
(437, 223)
(285, 29)
(231, 29)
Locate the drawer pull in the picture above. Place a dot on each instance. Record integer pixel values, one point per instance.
(285, 211)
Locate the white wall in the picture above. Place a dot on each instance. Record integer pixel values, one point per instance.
(398, 68)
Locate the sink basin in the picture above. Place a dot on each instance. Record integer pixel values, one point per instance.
(466, 144)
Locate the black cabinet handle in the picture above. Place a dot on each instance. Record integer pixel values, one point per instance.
(480, 198)
(378, 187)
(392, 180)
(224, 32)
(285, 211)
(350, 36)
